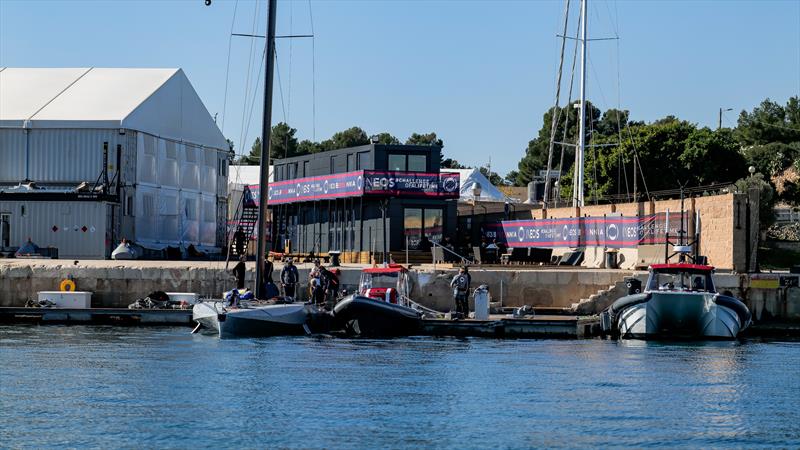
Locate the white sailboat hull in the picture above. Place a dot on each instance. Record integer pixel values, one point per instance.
(266, 320)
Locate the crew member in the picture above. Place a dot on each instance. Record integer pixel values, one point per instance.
(239, 271)
(460, 285)
(289, 278)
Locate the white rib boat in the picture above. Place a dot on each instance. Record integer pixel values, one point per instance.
(679, 301)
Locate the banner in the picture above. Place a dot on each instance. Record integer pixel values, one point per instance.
(609, 231)
(363, 182)
(350, 184)
(412, 184)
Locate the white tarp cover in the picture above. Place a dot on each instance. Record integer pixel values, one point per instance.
(160, 102)
(489, 192)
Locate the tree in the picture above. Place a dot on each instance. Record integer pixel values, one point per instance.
(351, 137)
(712, 157)
(254, 158)
(493, 177)
(450, 163)
(770, 122)
(306, 147)
(535, 158)
(424, 139)
(284, 144)
(386, 139)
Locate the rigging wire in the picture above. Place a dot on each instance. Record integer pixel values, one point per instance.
(569, 104)
(247, 80)
(556, 108)
(289, 81)
(228, 66)
(313, 76)
(255, 97)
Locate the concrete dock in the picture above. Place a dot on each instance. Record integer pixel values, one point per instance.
(97, 316)
(501, 326)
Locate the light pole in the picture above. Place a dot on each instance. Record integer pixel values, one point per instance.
(719, 125)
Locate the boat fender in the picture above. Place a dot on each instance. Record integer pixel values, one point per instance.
(610, 315)
(67, 285)
(740, 308)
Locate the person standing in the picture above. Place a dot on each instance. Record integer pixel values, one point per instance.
(460, 285)
(239, 272)
(239, 244)
(289, 278)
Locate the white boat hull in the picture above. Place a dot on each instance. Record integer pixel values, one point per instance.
(251, 321)
(679, 314)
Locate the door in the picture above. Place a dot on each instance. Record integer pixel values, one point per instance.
(419, 222)
(5, 230)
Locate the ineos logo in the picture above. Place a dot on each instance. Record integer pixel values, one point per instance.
(521, 234)
(613, 232)
(450, 184)
(566, 232)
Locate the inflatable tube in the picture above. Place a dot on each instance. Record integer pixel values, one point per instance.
(67, 285)
(735, 304)
(609, 317)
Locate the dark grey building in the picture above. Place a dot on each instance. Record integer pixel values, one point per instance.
(371, 198)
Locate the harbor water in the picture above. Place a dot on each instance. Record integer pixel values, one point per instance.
(106, 387)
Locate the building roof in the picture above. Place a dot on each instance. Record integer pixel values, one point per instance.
(160, 102)
(247, 175)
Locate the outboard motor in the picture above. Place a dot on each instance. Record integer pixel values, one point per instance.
(634, 285)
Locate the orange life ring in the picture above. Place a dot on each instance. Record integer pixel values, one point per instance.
(67, 285)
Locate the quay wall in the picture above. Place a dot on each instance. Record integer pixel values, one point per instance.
(116, 284)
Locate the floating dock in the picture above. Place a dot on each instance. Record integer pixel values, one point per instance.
(502, 326)
(97, 316)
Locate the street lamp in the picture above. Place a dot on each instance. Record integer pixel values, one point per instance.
(752, 170)
(720, 116)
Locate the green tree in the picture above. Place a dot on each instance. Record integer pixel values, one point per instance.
(386, 139)
(535, 158)
(254, 158)
(712, 157)
(306, 147)
(284, 144)
(424, 139)
(351, 137)
(770, 122)
(773, 157)
(450, 163)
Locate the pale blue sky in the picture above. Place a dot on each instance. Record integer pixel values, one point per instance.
(479, 73)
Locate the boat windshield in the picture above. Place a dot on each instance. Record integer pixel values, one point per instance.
(686, 281)
(384, 281)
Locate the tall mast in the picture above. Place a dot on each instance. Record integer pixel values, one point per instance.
(266, 129)
(577, 199)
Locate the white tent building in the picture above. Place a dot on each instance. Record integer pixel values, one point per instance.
(90, 155)
(471, 177)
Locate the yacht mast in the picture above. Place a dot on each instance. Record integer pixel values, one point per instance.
(266, 129)
(577, 198)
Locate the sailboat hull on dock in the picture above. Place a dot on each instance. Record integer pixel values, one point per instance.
(256, 321)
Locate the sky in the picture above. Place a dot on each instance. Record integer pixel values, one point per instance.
(479, 73)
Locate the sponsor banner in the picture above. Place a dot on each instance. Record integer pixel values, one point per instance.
(362, 182)
(350, 184)
(609, 231)
(412, 184)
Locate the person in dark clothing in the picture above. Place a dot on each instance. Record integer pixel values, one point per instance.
(318, 290)
(268, 269)
(460, 285)
(239, 271)
(239, 241)
(425, 244)
(330, 281)
(289, 278)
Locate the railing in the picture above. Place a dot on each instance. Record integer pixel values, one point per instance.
(464, 260)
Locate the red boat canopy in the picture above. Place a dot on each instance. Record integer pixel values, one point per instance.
(682, 266)
(393, 268)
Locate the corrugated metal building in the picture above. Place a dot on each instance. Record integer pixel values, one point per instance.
(89, 156)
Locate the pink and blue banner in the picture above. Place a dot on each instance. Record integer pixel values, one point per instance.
(608, 231)
(363, 183)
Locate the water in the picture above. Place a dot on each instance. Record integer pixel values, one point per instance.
(164, 388)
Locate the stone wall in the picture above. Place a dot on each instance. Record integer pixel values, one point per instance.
(723, 227)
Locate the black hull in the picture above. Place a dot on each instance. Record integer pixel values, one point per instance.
(363, 316)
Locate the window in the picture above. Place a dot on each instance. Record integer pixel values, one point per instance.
(128, 206)
(306, 173)
(397, 162)
(417, 163)
(351, 162)
(364, 161)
